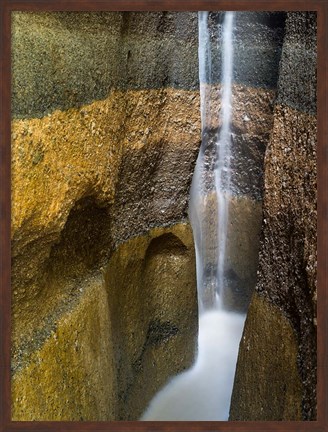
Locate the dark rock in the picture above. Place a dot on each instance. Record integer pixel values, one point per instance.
(298, 67)
(287, 261)
(66, 59)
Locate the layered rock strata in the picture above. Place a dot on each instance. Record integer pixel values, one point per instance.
(105, 134)
(282, 317)
(66, 225)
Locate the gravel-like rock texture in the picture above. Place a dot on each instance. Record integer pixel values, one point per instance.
(105, 135)
(287, 261)
(151, 283)
(65, 59)
(272, 382)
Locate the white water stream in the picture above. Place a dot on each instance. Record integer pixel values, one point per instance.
(204, 391)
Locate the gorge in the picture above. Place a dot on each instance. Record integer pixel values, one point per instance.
(104, 147)
(203, 392)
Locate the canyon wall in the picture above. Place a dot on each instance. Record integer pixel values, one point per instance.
(105, 135)
(276, 371)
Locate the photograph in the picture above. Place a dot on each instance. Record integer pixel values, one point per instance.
(164, 217)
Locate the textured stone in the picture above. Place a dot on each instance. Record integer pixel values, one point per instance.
(150, 281)
(258, 39)
(242, 246)
(67, 59)
(71, 375)
(155, 180)
(298, 67)
(119, 339)
(110, 157)
(52, 180)
(251, 125)
(287, 260)
(53, 257)
(116, 167)
(271, 389)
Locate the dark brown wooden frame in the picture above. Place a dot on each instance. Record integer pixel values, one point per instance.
(7, 6)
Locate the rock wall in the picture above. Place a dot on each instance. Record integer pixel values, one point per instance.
(105, 134)
(150, 281)
(276, 371)
(99, 158)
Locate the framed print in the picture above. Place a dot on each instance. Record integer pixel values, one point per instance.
(163, 215)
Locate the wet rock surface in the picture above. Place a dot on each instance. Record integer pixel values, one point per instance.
(105, 139)
(251, 125)
(115, 337)
(66, 226)
(298, 67)
(242, 247)
(287, 260)
(150, 280)
(292, 213)
(67, 373)
(257, 36)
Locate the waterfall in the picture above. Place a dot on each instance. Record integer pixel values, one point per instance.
(223, 145)
(204, 391)
(208, 204)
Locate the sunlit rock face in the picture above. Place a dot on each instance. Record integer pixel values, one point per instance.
(286, 288)
(105, 135)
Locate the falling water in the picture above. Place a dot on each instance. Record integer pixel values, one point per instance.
(204, 391)
(208, 205)
(223, 171)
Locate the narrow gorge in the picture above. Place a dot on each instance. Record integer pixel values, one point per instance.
(106, 131)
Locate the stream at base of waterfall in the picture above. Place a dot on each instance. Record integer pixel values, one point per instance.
(203, 392)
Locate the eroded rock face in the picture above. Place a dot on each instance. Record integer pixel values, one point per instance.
(104, 144)
(72, 209)
(69, 373)
(116, 335)
(242, 247)
(101, 152)
(287, 264)
(273, 343)
(153, 308)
